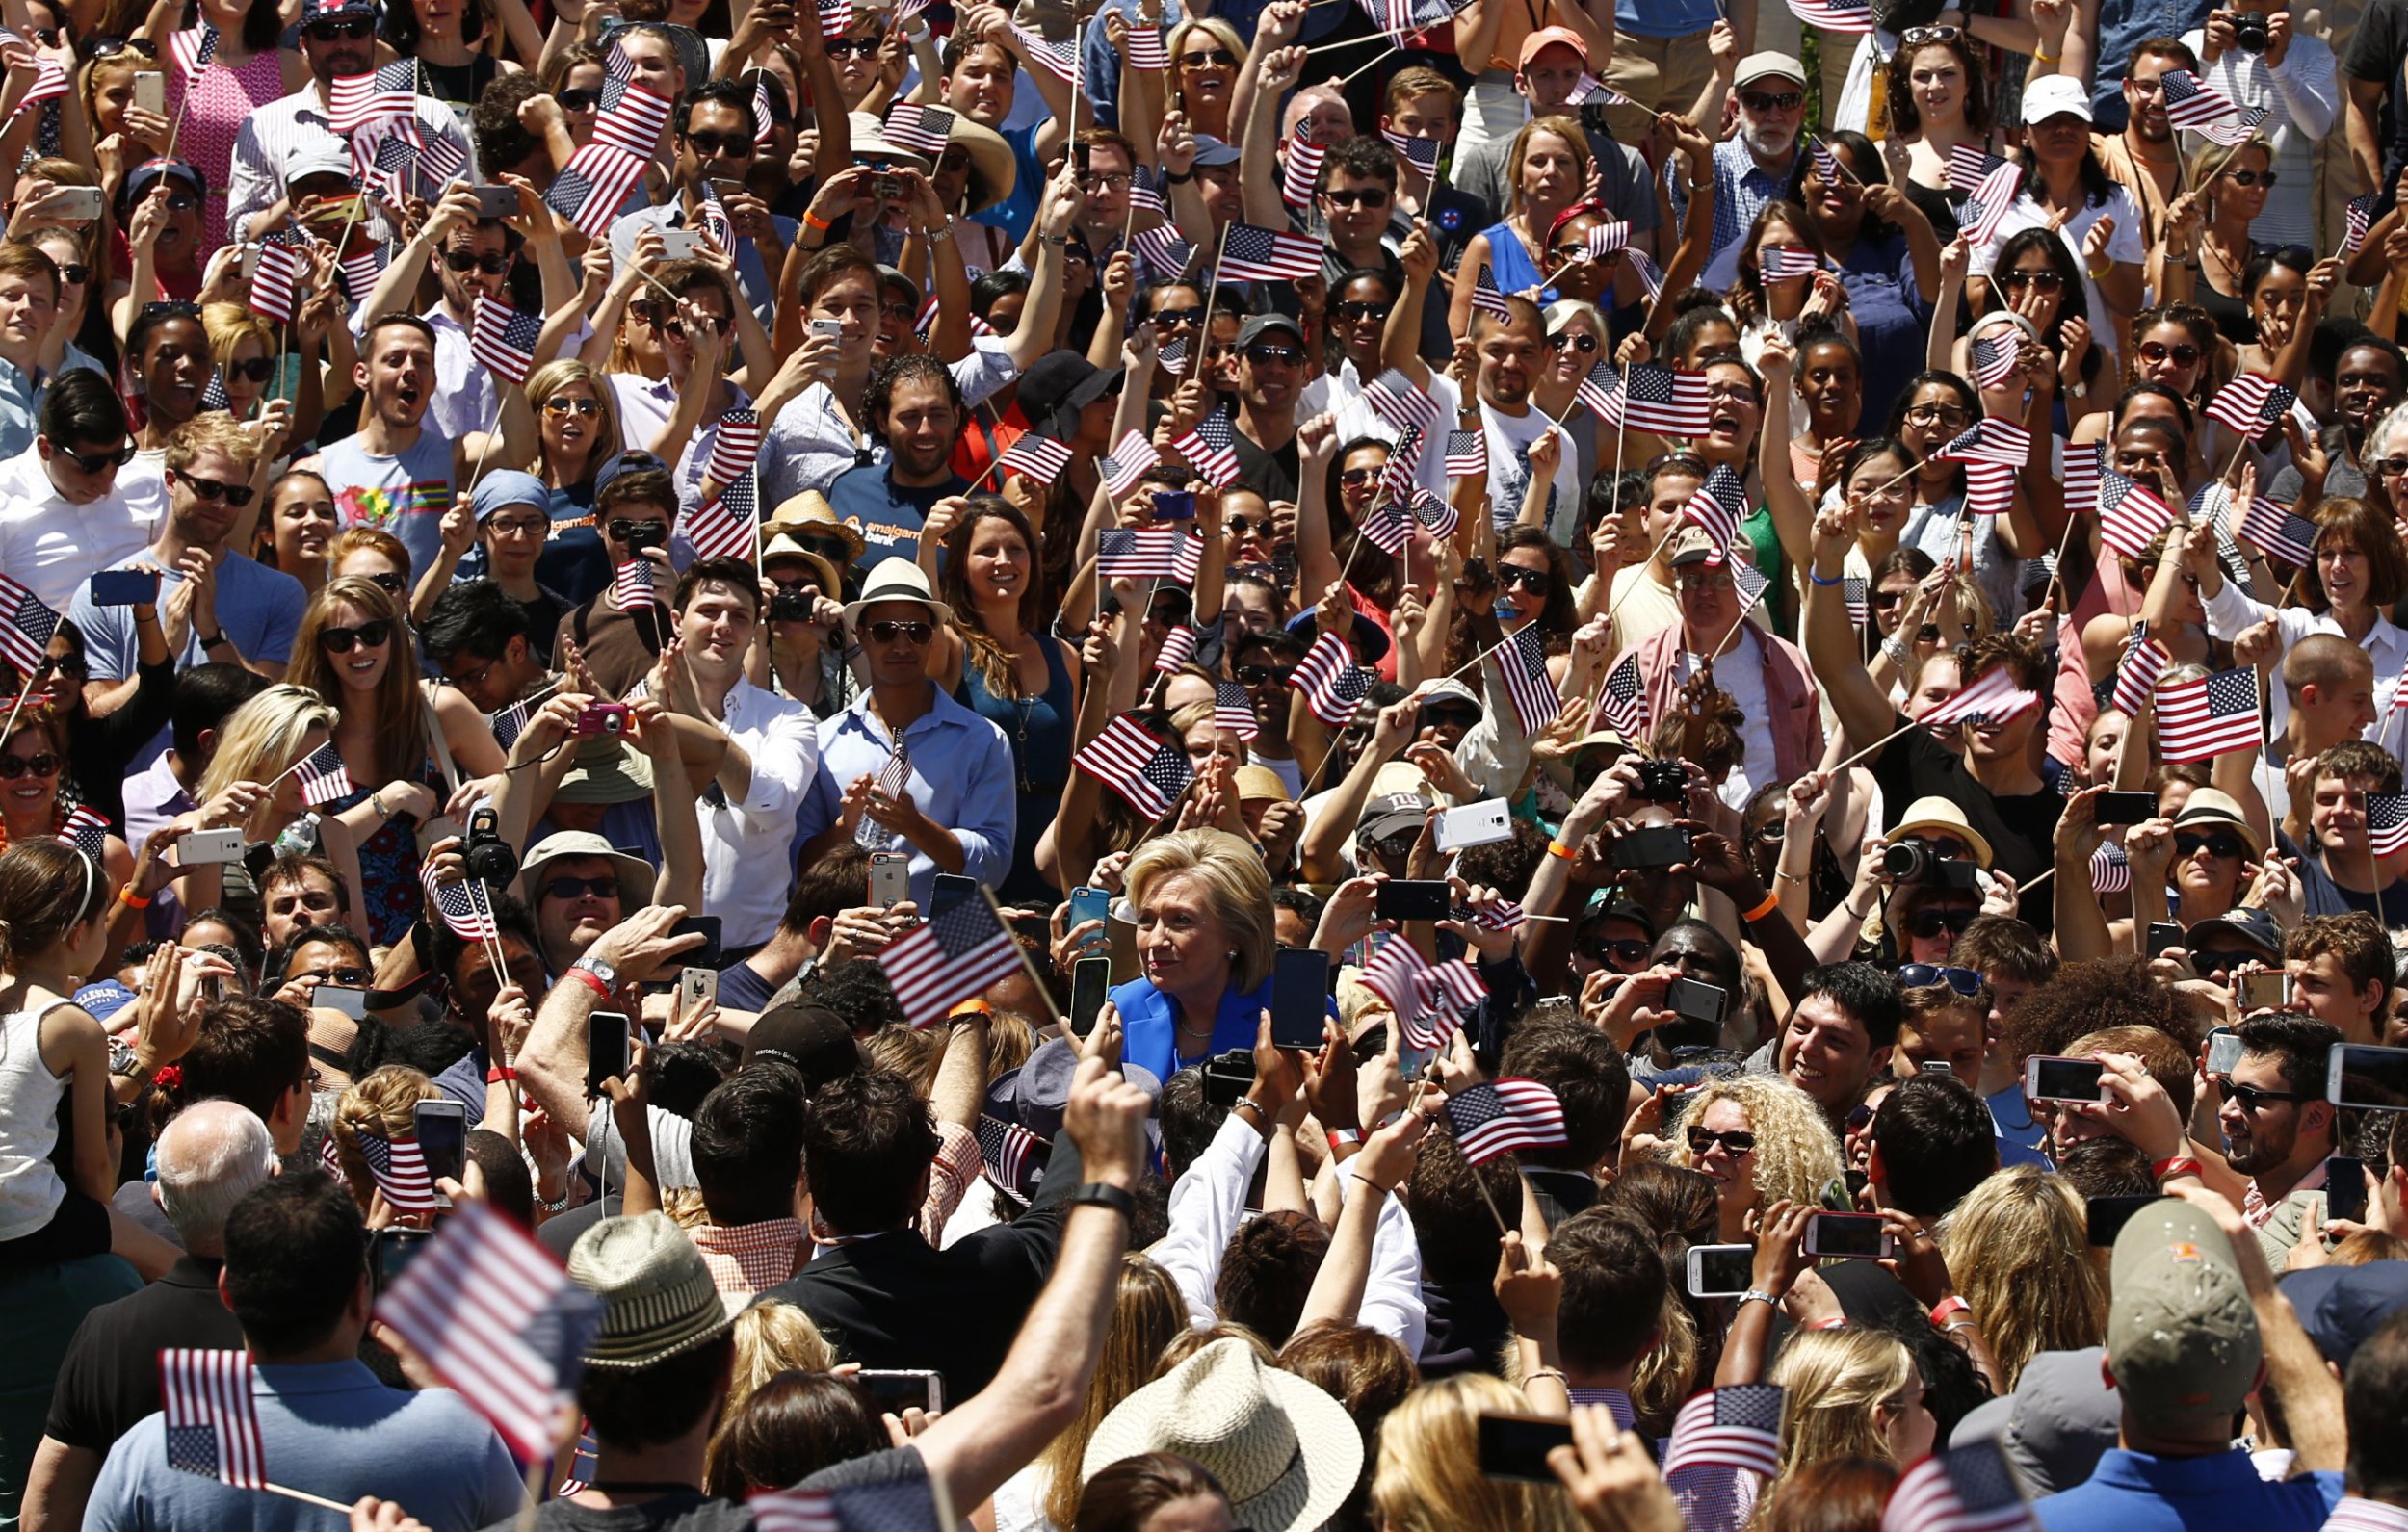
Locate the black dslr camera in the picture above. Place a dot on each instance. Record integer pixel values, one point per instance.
(2250, 33)
(490, 858)
(1911, 861)
(1662, 782)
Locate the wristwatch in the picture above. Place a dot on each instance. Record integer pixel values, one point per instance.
(1100, 1194)
(599, 968)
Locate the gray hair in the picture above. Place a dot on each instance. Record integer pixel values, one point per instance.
(2390, 423)
(209, 1156)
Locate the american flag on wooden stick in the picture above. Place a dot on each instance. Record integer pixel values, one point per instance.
(1149, 772)
(2211, 716)
(950, 958)
(1333, 685)
(1502, 1116)
(25, 627)
(504, 338)
(324, 778)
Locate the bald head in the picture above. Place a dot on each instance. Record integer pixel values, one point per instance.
(209, 1156)
(2325, 660)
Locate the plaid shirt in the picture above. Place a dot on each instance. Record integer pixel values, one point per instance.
(1741, 189)
(749, 1258)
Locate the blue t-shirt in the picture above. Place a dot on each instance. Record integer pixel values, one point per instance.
(890, 515)
(407, 495)
(1665, 18)
(2135, 1491)
(1015, 213)
(258, 608)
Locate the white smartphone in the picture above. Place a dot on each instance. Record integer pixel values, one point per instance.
(1847, 1236)
(679, 244)
(1474, 824)
(202, 848)
(81, 203)
(150, 91)
(352, 1002)
(1721, 1271)
(698, 989)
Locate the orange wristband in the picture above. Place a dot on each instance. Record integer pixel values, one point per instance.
(1772, 902)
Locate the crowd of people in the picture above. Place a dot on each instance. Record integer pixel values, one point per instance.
(1156, 768)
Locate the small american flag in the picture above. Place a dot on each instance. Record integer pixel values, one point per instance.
(1301, 179)
(894, 778)
(359, 273)
(2252, 404)
(1164, 251)
(2130, 514)
(195, 47)
(1400, 402)
(835, 17)
(924, 128)
(1211, 448)
(2387, 821)
(2111, 869)
(1174, 356)
(2239, 131)
(1989, 489)
(1827, 166)
(1523, 658)
(1142, 48)
(1588, 88)
(504, 338)
(1438, 517)
(1403, 468)
(1980, 214)
(212, 1417)
(87, 829)
(272, 280)
(1650, 275)
(1386, 525)
(735, 446)
(1038, 457)
(1666, 402)
(953, 957)
(1622, 700)
(1780, 263)
(2359, 217)
(1605, 239)
(25, 635)
(1853, 591)
(2274, 532)
(2082, 462)
(714, 529)
(1995, 697)
(2190, 104)
(632, 585)
(634, 120)
(1467, 453)
(1130, 460)
(511, 722)
(1503, 915)
(1178, 648)
(466, 907)
(1333, 685)
(1852, 17)
(1994, 358)
(1966, 1489)
(2136, 677)
(400, 1171)
(1970, 165)
(1420, 153)
(1060, 59)
(1158, 553)
(1600, 391)
(1252, 254)
(1990, 440)
(354, 101)
(588, 192)
(1233, 710)
(905, 1506)
(1428, 997)
(1736, 1426)
(716, 226)
(1502, 1116)
(1149, 772)
(1016, 1158)
(497, 1318)
(324, 778)
(1485, 297)
(2211, 715)
(764, 116)
(1717, 506)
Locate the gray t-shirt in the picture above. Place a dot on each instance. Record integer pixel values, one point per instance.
(406, 494)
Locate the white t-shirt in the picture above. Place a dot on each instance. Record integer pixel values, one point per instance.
(1509, 437)
(2125, 244)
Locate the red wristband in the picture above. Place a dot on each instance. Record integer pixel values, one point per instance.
(500, 1073)
(2180, 1165)
(1341, 1138)
(594, 982)
(1948, 1308)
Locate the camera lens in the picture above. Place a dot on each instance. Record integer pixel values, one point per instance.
(1903, 862)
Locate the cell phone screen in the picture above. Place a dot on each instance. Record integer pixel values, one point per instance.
(2163, 934)
(2345, 1188)
(707, 955)
(1091, 980)
(606, 1048)
(2063, 1079)
(2125, 808)
(950, 889)
(1515, 1446)
(1654, 845)
(442, 1138)
(899, 1390)
(1415, 899)
(1721, 1271)
(1299, 995)
(396, 1248)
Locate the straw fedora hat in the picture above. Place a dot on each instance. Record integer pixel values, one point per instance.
(1287, 1453)
(657, 1298)
(810, 513)
(2211, 806)
(993, 171)
(897, 580)
(1927, 815)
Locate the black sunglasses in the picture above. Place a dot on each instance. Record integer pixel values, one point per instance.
(852, 47)
(1584, 343)
(722, 145)
(352, 30)
(1738, 1141)
(1359, 308)
(1283, 356)
(579, 100)
(253, 370)
(1264, 675)
(1627, 949)
(111, 47)
(2190, 842)
(94, 463)
(2249, 1099)
(567, 888)
(1360, 196)
(235, 495)
(371, 635)
(470, 260)
(1927, 924)
(916, 634)
(74, 274)
(44, 765)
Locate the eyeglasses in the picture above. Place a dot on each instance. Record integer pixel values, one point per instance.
(675, 330)
(520, 525)
(391, 583)
(44, 765)
(915, 634)
(1919, 975)
(1738, 1141)
(2182, 353)
(2221, 843)
(97, 462)
(1512, 576)
(722, 145)
(586, 408)
(2253, 1101)
(75, 273)
(567, 888)
(469, 260)
(1628, 950)
(358, 977)
(902, 311)
(1762, 101)
(1583, 344)
(255, 369)
(1884, 600)
(2038, 282)
(1220, 57)
(472, 677)
(1928, 924)
(1358, 196)
(374, 635)
(1949, 415)
(2249, 179)
(852, 47)
(235, 495)
(1109, 181)
(1264, 675)
(1917, 37)
(1355, 309)
(1280, 355)
(1174, 318)
(579, 100)
(111, 47)
(1357, 478)
(2386, 467)
(334, 31)
(182, 201)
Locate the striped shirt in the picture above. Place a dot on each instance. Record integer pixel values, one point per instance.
(748, 1257)
(270, 135)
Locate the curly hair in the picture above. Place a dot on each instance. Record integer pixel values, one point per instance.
(1796, 1157)
(2092, 997)
(2018, 1240)
(381, 1105)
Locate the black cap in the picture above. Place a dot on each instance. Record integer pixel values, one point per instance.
(812, 1038)
(1060, 384)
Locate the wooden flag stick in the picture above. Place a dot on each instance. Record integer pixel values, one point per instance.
(307, 1499)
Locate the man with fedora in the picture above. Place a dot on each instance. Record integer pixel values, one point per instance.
(905, 767)
(916, 409)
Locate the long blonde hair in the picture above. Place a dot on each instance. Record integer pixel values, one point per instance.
(1428, 1477)
(398, 714)
(381, 1105)
(1796, 1157)
(1147, 1317)
(2022, 1259)
(1835, 1379)
(260, 739)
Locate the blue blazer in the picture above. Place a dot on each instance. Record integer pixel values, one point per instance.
(1150, 1031)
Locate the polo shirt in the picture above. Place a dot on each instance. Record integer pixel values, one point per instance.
(888, 514)
(2135, 1491)
(110, 1379)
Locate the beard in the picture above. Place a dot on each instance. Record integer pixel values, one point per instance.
(1767, 142)
(2254, 1154)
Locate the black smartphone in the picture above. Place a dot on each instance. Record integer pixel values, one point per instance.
(950, 889)
(442, 1127)
(2163, 934)
(1653, 845)
(900, 1389)
(1090, 982)
(2108, 1215)
(1228, 1076)
(606, 1048)
(124, 587)
(1415, 899)
(707, 955)
(1299, 996)
(1698, 1002)
(1515, 1446)
(393, 1250)
(2127, 808)
(2345, 1188)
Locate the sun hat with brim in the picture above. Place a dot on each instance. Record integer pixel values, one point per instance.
(870, 142)
(1285, 1453)
(634, 871)
(993, 171)
(809, 512)
(784, 546)
(2182, 1339)
(607, 771)
(1940, 816)
(896, 580)
(2208, 806)
(657, 1298)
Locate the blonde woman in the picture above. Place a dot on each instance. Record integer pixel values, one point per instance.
(774, 1337)
(381, 1105)
(2021, 1256)
(1204, 936)
(242, 346)
(1852, 1393)
(257, 745)
(1761, 1140)
(1547, 173)
(1147, 1317)
(1428, 1477)
(1205, 53)
(577, 431)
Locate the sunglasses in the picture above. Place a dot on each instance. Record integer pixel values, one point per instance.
(585, 408)
(2253, 1101)
(579, 100)
(1174, 318)
(1951, 415)
(2208, 961)
(1354, 309)
(915, 634)
(111, 47)
(392, 584)
(1358, 196)
(2038, 281)
(471, 261)
(1511, 576)
(1282, 356)
(1628, 950)
(1927, 924)
(1884, 600)
(1220, 57)
(854, 47)
(567, 888)
(1242, 526)
(74, 274)
(355, 976)
(2250, 178)
(2182, 353)
(95, 463)
(348, 31)
(374, 635)
(44, 765)
(1919, 975)
(722, 145)
(1760, 101)
(1917, 37)
(2188, 842)
(235, 495)
(1357, 478)
(168, 308)
(1583, 344)
(255, 370)
(1264, 675)
(1738, 1141)
(2387, 467)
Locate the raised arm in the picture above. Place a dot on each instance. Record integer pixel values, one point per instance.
(1863, 709)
